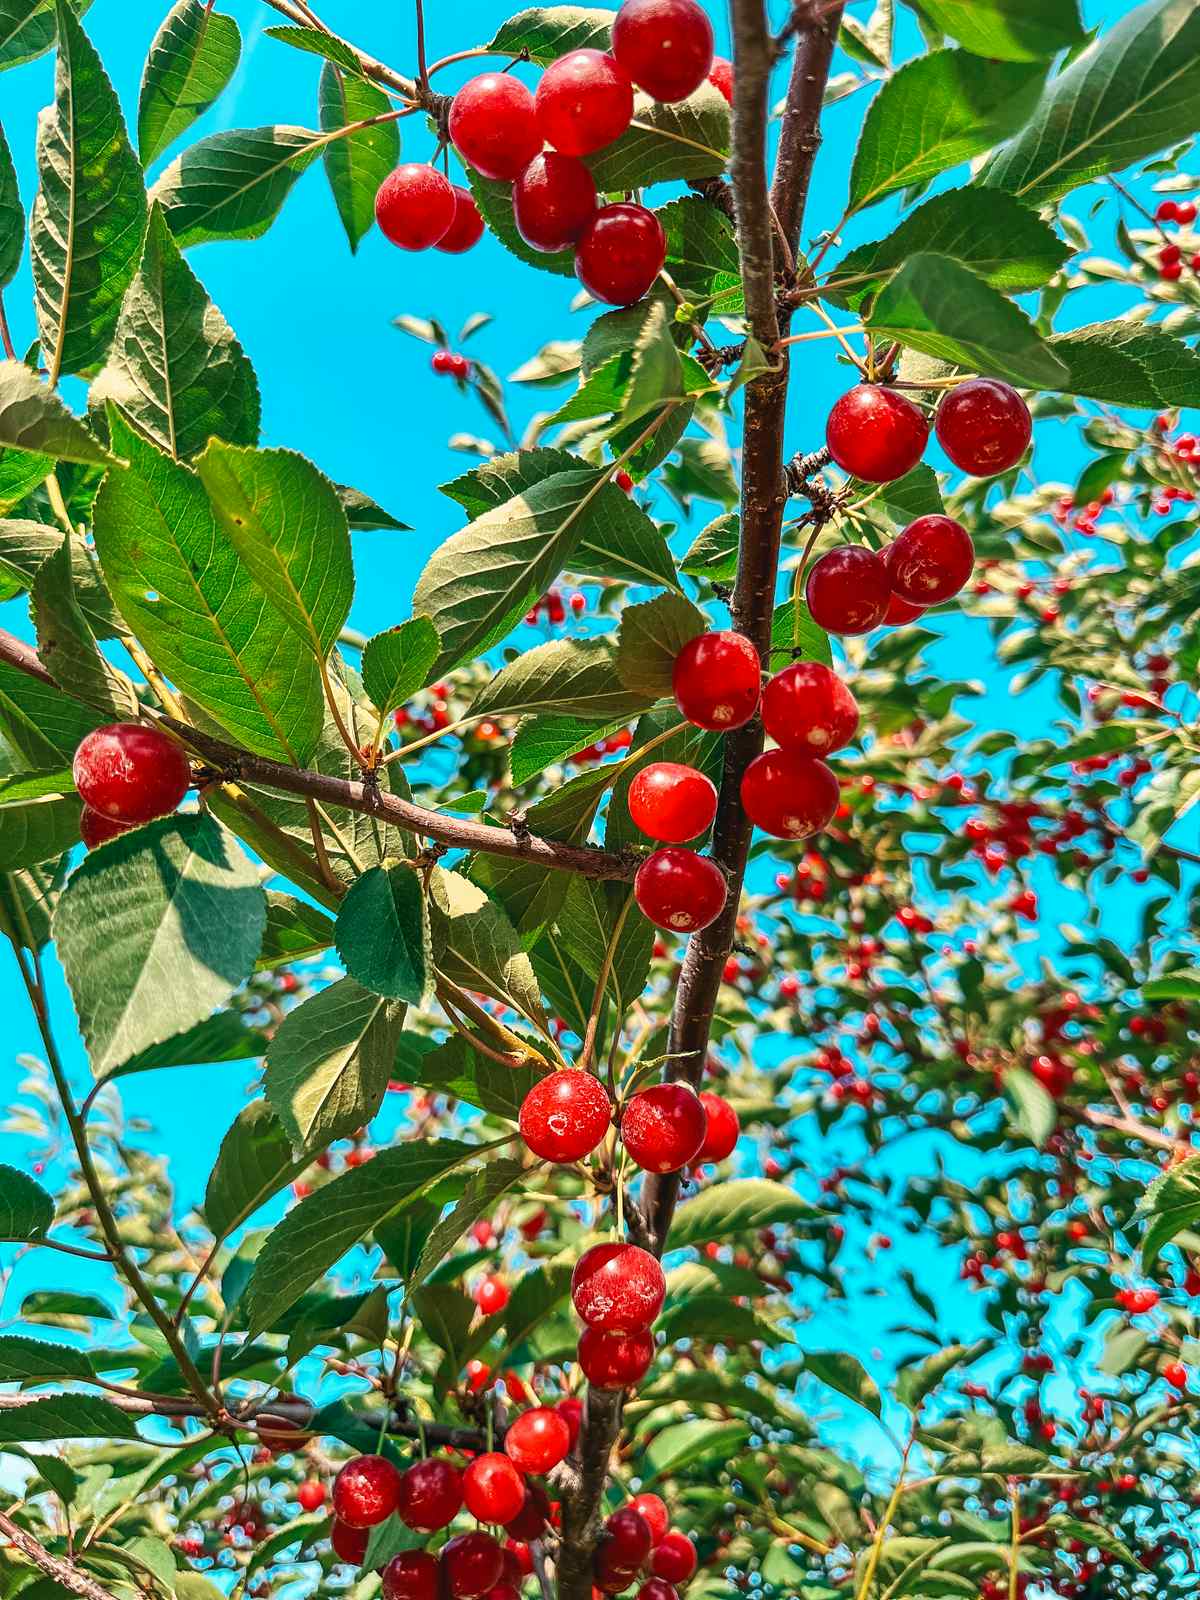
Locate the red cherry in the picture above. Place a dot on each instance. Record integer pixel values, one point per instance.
(808, 708)
(657, 1589)
(518, 1561)
(620, 253)
(1167, 211)
(349, 1544)
(538, 1440)
(876, 433)
(553, 200)
(430, 1495)
(666, 46)
(679, 890)
(615, 1360)
(129, 773)
(608, 1575)
(848, 590)
(717, 679)
(618, 1287)
(900, 611)
(674, 1558)
(467, 228)
(722, 1130)
(721, 77)
(672, 802)
(565, 1115)
(415, 206)
(493, 1489)
(656, 1515)
(984, 427)
(472, 1564)
(583, 102)
(95, 829)
(412, 1575)
(311, 1494)
(789, 795)
(571, 1411)
(491, 1294)
(931, 560)
(493, 125)
(366, 1491)
(442, 362)
(503, 1591)
(629, 1536)
(530, 1521)
(663, 1127)
(1176, 1374)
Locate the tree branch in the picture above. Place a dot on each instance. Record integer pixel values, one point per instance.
(63, 1572)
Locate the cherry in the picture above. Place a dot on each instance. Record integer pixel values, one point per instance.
(493, 1489)
(672, 802)
(518, 1561)
(95, 829)
(900, 611)
(538, 1440)
(608, 1574)
(493, 125)
(349, 1544)
(565, 1115)
(721, 77)
(553, 200)
(571, 1411)
(1176, 1374)
(657, 1589)
(467, 228)
(663, 1127)
(789, 795)
(618, 1287)
(311, 1494)
(931, 560)
(430, 1495)
(615, 1360)
(620, 253)
(717, 680)
(721, 1131)
(984, 427)
(366, 1491)
(655, 1514)
(666, 46)
(679, 890)
(412, 1575)
(530, 1521)
(630, 1536)
(876, 434)
(130, 773)
(808, 708)
(472, 1564)
(583, 102)
(848, 590)
(491, 1294)
(504, 1591)
(674, 1558)
(415, 206)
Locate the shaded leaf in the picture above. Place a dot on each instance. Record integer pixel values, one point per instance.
(398, 663)
(357, 164)
(232, 185)
(194, 54)
(382, 934)
(33, 418)
(255, 1161)
(26, 1210)
(1169, 1205)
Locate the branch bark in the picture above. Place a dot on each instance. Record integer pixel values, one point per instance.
(63, 1572)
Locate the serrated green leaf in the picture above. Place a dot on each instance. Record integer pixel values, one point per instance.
(232, 185)
(295, 931)
(255, 1161)
(494, 199)
(541, 741)
(502, 477)
(194, 54)
(67, 648)
(679, 1446)
(27, 29)
(847, 1375)
(666, 143)
(23, 548)
(742, 1206)
(651, 636)
(454, 1068)
(357, 164)
(225, 1036)
(65, 1416)
(36, 831)
(1169, 1205)
(398, 663)
(382, 934)
(478, 1199)
(702, 255)
(547, 32)
(34, 419)
(1009, 30)
(575, 676)
(476, 945)
(12, 216)
(1035, 1114)
(39, 724)
(313, 42)
(26, 1210)
(715, 552)
(1128, 363)
(25, 1360)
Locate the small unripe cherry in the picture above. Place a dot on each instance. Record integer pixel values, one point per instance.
(471, 1564)
(430, 1495)
(663, 1127)
(984, 427)
(411, 1575)
(530, 1521)
(130, 773)
(876, 434)
(848, 590)
(493, 1489)
(415, 206)
(95, 829)
(930, 561)
(565, 1115)
(618, 1287)
(654, 1510)
(721, 77)
(493, 125)
(466, 230)
(538, 1440)
(620, 253)
(789, 795)
(674, 1558)
(680, 891)
(672, 802)
(366, 1491)
(349, 1544)
(491, 1294)
(722, 1129)
(808, 708)
(630, 1535)
(666, 46)
(717, 680)
(553, 201)
(615, 1360)
(583, 102)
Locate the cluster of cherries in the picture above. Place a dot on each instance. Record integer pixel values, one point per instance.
(1170, 256)
(127, 774)
(583, 103)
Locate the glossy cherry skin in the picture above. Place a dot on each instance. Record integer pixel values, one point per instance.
(565, 1115)
(415, 206)
(900, 611)
(630, 1535)
(876, 434)
(583, 102)
(674, 1558)
(518, 1562)
(493, 125)
(553, 201)
(808, 708)
(95, 829)
(491, 1294)
(680, 891)
(848, 590)
(618, 1287)
(930, 561)
(657, 1589)
(349, 1544)
(984, 427)
(130, 773)
(311, 1494)
(493, 1489)
(722, 1128)
(538, 1440)
(666, 46)
(530, 1521)
(717, 680)
(721, 77)
(472, 1564)
(412, 1575)
(467, 228)
(608, 1574)
(615, 1360)
(663, 1127)
(654, 1511)
(366, 1491)
(503, 1591)
(789, 795)
(620, 253)
(430, 1495)
(672, 802)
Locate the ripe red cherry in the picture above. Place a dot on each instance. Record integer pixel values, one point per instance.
(717, 679)
(984, 427)
(876, 433)
(630, 1537)
(95, 829)
(530, 1521)
(415, 206)
(618, 1287)
(663, 1127)
(472, 1564)
(615, 1360)
(657, 1589)
(721, 77)
(654, 1511)
(930, 561)
(311, 1494)
(571, 1411)
(518, 1562)
(491, 1294)
(721, 1131)
(493, 125)
(503, 1591)
(467, 228)
(808, 708)
(608, 1574)
(583, 102)
(493, 1489)
(565, 1115)
(620, 253)
(366, 1491)
(674, 1558)
(900, 611)
(538, 1440)
(430, 1495)
(129, 773)
(666, 46)
(679, 890)
(1176, 1374)
(848, 590)
(672, 802)
(412, 1575)
(789, 795)
(349, 1544)
(553, 200)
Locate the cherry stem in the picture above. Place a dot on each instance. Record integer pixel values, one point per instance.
(5, 335)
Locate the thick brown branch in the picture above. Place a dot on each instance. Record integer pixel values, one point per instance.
(64, 1572)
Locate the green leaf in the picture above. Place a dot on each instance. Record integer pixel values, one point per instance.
(1128, 363)
(914, 495)
(40, 724)
(500, 478)
(295, 931)
(483, 1189)
(714, 554)
(382, 934)
(12, 216)
(26, 1210)
(494, 199)
(357, 164)
(938, 306)
(576, 676)
(702, 255)
(65, 1416)
(476, 945)
(453, 1068)
(713, 1320)
(444, 1314)
(656, 373)
(1009, 30)
(651, 635)
(1169, 1205)
(585, 927)
(85, 233)
(547, 32)
(25, 1360)
(67, 647)
(677, 1447)
(1135, 91)
(742, 1206)
(23, 548)
(847, 1375)
(935, 113)
(194, 55)
(34, 831)
(363, 514)
(795, 635)
(183, 915)
(255, 1161)
(1066, 1531)
(27, 29)
(399, 663)
(917, 1382)
(312, 42)
(1034, 1113)
(225, 1036)
(1124, 1348)
(232, 185)
(543, 740)
(534, 1297)
(33, 418)
(665, 143)
(1183, 985)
